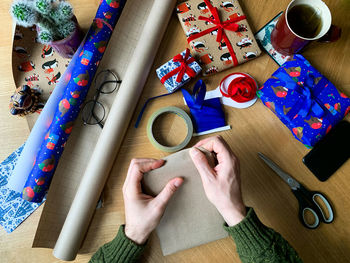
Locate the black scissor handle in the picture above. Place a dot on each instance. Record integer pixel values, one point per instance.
(304, 206)
(307, 203)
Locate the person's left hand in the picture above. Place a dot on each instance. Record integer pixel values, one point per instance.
(143, 212)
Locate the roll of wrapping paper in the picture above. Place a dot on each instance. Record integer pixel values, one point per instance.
(107, 147)
(32, 146)
(68, 108)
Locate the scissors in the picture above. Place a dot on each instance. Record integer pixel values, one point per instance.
(305, 198)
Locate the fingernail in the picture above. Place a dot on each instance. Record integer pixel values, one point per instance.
(178, 182)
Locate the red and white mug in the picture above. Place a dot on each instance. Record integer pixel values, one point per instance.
(287, 42)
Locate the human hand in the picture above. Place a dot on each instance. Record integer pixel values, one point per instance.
(222, 184)
(143, 212)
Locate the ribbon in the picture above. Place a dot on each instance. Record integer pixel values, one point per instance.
(240, 89)
(182, 69)
(309, 103)
(207, 114)
(196, 101)
(221, 27)
(144, 107)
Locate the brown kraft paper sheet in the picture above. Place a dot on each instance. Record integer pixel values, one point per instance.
(212, 55)
(190, 219)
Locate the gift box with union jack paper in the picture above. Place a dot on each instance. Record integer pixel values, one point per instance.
(218, 33)
(304, 100)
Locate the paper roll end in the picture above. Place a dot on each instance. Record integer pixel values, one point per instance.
(66, 247)
(64, 254)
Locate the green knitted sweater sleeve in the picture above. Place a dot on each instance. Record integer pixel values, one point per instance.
(119, 250)
(257, 243)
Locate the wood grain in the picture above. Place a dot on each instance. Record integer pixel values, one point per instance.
(254, 129)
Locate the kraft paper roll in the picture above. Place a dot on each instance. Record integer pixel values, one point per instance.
(181, 113)
(100, 164)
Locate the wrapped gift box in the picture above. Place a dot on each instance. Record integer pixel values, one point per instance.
(171, 83)
(212, 52)
(304, 100)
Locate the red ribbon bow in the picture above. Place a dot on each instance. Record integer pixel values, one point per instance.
(241, 89)
(221, 27)
(182, 69)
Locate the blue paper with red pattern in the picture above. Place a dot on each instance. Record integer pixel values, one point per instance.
(304, 100)
(68, 109)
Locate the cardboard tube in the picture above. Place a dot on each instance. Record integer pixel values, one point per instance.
(100, 164)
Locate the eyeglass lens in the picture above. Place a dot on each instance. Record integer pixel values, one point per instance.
(93, 112)
(107, 81)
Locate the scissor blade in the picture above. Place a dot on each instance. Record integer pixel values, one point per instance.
(286, 177)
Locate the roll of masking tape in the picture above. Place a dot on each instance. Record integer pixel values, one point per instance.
(179, 112)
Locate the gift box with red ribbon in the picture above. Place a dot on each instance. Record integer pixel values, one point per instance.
(178, 71)
(304, 100)
(218, 33)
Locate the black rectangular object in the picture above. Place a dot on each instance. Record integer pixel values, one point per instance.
(330, 153)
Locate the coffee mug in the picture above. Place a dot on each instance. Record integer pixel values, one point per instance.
(302, 22)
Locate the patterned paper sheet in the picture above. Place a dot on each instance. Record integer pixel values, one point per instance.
(13, 209)
(263, 36)
(171, 84)
(215, 56)
(35, 64)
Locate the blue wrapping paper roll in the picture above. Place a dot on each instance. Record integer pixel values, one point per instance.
(68, 108)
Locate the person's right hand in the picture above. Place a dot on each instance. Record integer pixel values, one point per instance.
(143, 212)
(222, 184)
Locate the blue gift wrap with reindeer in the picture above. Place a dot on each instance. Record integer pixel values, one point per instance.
(304, 100)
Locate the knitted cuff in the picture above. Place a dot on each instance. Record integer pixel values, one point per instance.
(250, 235)
(122, 249)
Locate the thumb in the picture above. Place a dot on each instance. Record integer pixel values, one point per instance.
(201, 163)
(168, 191)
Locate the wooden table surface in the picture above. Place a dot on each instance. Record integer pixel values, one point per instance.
(254, 129)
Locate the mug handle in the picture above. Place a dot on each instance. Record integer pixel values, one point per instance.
(333, 34)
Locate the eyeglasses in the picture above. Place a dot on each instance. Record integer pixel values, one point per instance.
(94, 112)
